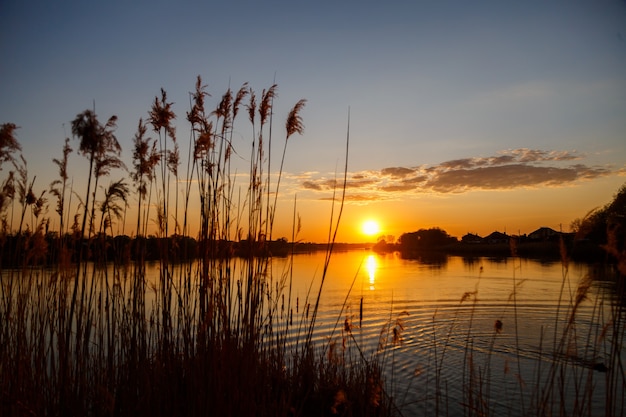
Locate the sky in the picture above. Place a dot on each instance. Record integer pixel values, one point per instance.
(468, 116)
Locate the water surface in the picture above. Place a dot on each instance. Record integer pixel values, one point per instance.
(477, 329)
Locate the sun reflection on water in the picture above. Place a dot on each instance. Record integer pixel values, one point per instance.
(371, 264)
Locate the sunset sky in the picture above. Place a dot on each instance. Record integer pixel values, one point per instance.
(469, 116)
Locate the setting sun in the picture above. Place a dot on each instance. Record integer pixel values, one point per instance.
(370, 228)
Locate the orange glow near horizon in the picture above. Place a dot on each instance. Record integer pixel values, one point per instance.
(477, 212)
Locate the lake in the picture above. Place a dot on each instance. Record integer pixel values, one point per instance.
(452, 335)
(501, 335)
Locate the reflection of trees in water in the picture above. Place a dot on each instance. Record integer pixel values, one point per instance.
(425, 246)
(432, 259)
(608, 280)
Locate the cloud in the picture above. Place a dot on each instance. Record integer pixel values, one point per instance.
(534, 155)
(522, 155)
(355, 198)
(507, 177)
(397, 172)
(398, 187)
(333, 184)
(506, 170)
(312, 185)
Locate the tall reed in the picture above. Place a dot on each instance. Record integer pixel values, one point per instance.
(97, 335)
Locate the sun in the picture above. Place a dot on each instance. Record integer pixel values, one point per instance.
(370, 228)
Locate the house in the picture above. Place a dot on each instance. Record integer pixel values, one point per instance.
(497, 237)
(544, 234)
(472, 239)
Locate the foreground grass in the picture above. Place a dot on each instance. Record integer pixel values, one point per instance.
(208, 337)
(120, 364)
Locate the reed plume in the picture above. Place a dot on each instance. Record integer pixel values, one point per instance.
(115, 194)
(294, 122)
(58, 187)
(8, 143)
(7, 192)
(265, 107)
(161, 117)
(293, 125)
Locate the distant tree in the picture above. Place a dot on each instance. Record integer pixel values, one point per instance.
(617, 208)
(606, 226)
(616, 228)
(425, 239)
(594, 225)
(576, 224)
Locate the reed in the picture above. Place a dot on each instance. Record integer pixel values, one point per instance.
(85, 331)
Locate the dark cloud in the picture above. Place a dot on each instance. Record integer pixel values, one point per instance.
(535, 155)
(354, 197)
(325, 184)
(510, 169)
(529, 155)
(510, 176)
(397, 172)
(397, 187)
(311, 185)
(500, 160)
(459, 163)
(522, 155)
(415, 180)
(361, 183)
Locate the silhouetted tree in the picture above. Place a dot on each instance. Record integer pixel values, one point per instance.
(425, 239)
(594, 225)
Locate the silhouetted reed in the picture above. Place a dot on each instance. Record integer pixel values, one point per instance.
(94, 334)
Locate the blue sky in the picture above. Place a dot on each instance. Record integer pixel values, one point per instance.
(513, 111)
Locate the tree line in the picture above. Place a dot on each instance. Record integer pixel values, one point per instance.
(600, 235)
